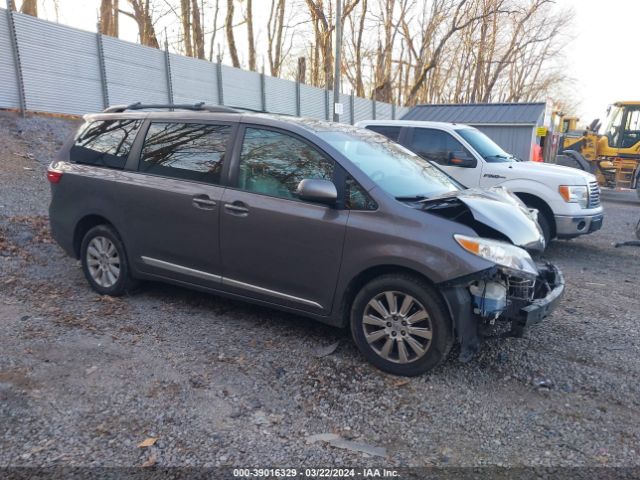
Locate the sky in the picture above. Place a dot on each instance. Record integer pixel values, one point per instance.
(601, 57)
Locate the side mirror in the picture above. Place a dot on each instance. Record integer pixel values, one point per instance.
(462, 159)
(316, 190)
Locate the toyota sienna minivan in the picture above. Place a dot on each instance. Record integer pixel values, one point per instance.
(320, 219)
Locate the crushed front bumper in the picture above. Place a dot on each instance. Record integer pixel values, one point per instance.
(526, 314)
(525, 306)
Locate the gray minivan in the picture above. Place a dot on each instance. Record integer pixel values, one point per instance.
(321, 219)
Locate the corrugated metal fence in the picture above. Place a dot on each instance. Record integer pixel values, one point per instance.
(47, 67)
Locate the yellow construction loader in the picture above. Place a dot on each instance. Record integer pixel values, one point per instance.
(614, 155)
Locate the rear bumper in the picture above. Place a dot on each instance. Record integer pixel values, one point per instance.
(572, 226)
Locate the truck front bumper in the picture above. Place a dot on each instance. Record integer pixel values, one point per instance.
(572, 226)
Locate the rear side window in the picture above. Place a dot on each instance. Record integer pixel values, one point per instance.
(274, 163)
(190, 151)
(392, 133)
(105, 143)
(435, 145)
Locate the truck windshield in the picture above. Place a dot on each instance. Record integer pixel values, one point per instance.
(486, 147)
(395, 169)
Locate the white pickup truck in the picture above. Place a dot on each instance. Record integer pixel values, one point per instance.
(567, 199)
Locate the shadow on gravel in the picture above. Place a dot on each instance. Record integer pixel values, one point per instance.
(246, 312)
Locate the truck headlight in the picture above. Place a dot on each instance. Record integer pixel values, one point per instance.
(575, 194)
(501, 253)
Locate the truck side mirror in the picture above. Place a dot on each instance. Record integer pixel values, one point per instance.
(462, 159)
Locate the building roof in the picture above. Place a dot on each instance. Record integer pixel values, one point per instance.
(480, 113)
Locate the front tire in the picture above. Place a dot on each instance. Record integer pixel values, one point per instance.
(545, 226)
(401, 325)
(104, 261)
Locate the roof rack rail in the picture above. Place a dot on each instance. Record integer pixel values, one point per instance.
(198, 107)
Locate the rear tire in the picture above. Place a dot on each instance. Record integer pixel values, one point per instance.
(401, 325)
(104, 261)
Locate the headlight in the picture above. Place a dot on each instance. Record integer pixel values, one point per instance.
(501, 253)
(575, 194)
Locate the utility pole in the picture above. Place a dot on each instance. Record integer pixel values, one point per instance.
(337, 107)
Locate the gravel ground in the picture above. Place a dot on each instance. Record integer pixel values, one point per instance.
(84, 379)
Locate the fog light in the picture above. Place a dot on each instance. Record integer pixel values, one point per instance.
(581, 225)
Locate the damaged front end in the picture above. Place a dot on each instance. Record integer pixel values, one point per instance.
(501, 294)
(515, 289)
(492, 213)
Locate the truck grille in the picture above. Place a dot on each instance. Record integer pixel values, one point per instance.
(594, 195)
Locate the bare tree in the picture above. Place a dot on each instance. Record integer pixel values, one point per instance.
(143, 15)
(275, 28)
(323, 26)
(197, 33)
(29, 7)
(212, 40)
(185, 19)
(251, 45)
(108, 23)
(405, 51)
(231, 41)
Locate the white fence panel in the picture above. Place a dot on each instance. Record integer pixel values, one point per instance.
(383, 111)
(193, 80)
(402, 111)
(135, 73)
(345, 100)
(363, 109)
(9, 95)
(241, 88)
(312, 102)
(62, 73)
(60, 67)
(280, 95)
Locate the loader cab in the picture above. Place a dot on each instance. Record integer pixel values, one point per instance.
(623, 125)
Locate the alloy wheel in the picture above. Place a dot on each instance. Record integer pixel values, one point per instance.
(103, 261)
(397, 327)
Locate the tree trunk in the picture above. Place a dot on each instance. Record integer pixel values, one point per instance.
(185, 20)
(146, 29)
(231, 41)
(250, 41)
(108, 24)
(275, 27)
(359, 82)
(197, 34)
(29, 7)
(301, 76)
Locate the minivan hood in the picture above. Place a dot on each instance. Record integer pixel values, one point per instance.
(494, 208)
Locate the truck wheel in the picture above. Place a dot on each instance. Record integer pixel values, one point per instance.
(545, 226)
(104, 261)
(401, 325)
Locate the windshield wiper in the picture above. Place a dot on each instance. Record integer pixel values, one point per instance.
(497, 156)
(412, 198)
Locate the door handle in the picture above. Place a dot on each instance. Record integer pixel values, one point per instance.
(237, 208)
(204, 202)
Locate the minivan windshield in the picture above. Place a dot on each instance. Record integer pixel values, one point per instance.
(395, 169)
(486, 147)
